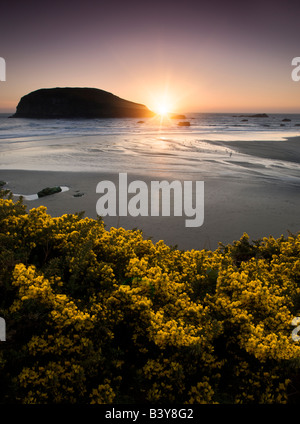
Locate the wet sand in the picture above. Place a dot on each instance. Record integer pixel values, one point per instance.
(284, 150)
(246, 196)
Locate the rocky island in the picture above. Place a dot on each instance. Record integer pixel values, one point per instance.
(75, 102)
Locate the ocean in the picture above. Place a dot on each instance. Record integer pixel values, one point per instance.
(135, 145)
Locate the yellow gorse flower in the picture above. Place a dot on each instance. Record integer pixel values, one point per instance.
(97, 316)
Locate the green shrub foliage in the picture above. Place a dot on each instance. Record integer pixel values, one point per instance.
(97, 316)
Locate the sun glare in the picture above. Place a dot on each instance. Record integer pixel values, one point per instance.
(163, 103)
(163, 109)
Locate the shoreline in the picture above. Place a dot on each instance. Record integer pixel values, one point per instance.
(286, 149)
(232, 205)
(253, 189)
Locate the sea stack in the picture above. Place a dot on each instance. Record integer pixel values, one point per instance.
(76, 102)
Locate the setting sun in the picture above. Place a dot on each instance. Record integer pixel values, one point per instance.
(162, 102)
(162, 109)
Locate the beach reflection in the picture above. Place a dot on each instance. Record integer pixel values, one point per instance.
(228, 153)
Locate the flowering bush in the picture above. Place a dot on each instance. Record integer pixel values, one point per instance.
(97, 316)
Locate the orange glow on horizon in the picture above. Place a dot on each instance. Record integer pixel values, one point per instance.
(162, 110)
(162, 105)
(162, 99)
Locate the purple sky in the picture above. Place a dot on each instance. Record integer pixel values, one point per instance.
(206, 56)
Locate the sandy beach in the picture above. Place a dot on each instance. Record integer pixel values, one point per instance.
(283, 150)
(251, 199)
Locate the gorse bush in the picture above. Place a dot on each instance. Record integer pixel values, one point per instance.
(97, 316)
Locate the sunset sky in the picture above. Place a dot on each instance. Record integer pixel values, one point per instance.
(192, 55)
